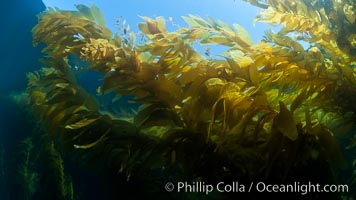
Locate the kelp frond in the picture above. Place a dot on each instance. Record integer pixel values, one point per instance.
(270, 98)
(328, 24)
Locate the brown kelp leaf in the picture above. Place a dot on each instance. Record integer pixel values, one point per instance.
(62, 112)
(217, 39)
(192, 22)
(243, 36)
(87, 146)
(349, 12)
(143, 28)
(97, 15)
(225, 28)
(331, 146)
(190, 75)
(298, 101)
(165, 90)
(161, 24)
(195, 34)
(144, 113)
(284, 122)
(81, 123)
(153, 26)
(257, 3)
(32, 78)
(200, 20)
(85, 11)
(254, 75)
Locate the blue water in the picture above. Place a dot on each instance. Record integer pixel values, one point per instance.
(229, 11)
(17, 57)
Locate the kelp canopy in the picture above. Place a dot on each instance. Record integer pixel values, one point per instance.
(269, 111)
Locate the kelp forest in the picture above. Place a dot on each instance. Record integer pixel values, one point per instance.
(278, 111)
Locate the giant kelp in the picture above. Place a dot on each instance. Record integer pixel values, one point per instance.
(53, 177)
(265, 110)
(40, 172)
(27, 176)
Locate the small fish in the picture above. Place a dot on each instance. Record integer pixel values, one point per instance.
(85, 11)
(97, 15)
(207, 52)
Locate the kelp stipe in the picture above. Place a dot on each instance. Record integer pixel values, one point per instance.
(52, 175)
(27, 177)
(269, 111)
(40, 172)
